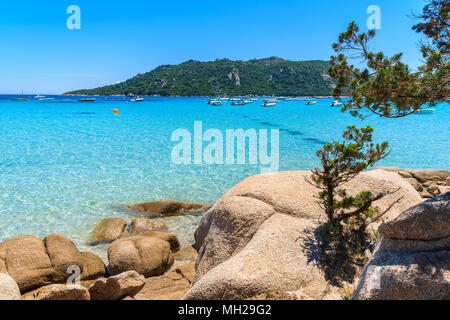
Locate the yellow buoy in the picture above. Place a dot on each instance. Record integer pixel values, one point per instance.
(115, 111)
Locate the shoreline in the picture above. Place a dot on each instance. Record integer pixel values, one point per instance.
(271, 194)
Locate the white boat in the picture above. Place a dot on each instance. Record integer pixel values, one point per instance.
(311, 102)
(137, 99)
(238, 103)
(216, 103)
(425, 111)
(269, 103)
(38, 97)
(337, 103)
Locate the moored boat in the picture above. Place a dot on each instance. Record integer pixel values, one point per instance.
(86, 99)
(216, 103)
(269, 103)
(238, 103)
(337, 103)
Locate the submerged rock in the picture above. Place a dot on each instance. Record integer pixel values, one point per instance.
(33, 262)
(412, 260)
(142, 225)
(262, 235)
(148, 256)
(108, 230)
(118, 286)
(166, 208)
(9, 290)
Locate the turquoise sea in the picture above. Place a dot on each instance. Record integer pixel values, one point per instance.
(65, 164)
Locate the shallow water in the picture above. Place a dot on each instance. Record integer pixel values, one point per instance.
(64, 165)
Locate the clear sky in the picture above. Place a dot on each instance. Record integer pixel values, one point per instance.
(118, 39)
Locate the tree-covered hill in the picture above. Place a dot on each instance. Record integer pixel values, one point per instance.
(268, 76)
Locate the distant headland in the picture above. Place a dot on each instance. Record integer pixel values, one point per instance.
(224, 77)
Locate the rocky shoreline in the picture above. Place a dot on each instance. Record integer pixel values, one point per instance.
(260, 236)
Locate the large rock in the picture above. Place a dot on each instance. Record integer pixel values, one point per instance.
(167, 208)
(93, 267)
(186, 254)
(9, 290)
(260, 235)
(171, 286)
(58, 292)
(426, 175)
(108, 230)
(33, 262)
(412, 260)
(148, 256)
(429, 220)
(169, 237)
(142, 225)
(116, 287)
(277, 258)
(428, 182)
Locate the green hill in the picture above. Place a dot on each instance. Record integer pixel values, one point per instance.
(226, 77)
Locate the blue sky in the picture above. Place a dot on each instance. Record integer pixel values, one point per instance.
(117, 40)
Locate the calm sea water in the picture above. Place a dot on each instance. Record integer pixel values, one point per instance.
(64, 164)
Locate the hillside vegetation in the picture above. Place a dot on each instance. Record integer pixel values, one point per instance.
(268, 76)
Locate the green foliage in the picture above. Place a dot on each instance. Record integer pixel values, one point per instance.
(344, 235)
(269, 76)
(385, 85)
(342, 161)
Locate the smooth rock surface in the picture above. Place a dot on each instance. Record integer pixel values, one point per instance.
(166, 208)
(58, 292)
(9, 290)
(412, 260)
(426, 181)
(148, 256)
(279, 257)
(142, 225)
(116, 287)
(34, 263)
(171, 286)
(108, 230)
(259, 236)
(429, 220)
(169, 237)
(186, 254)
